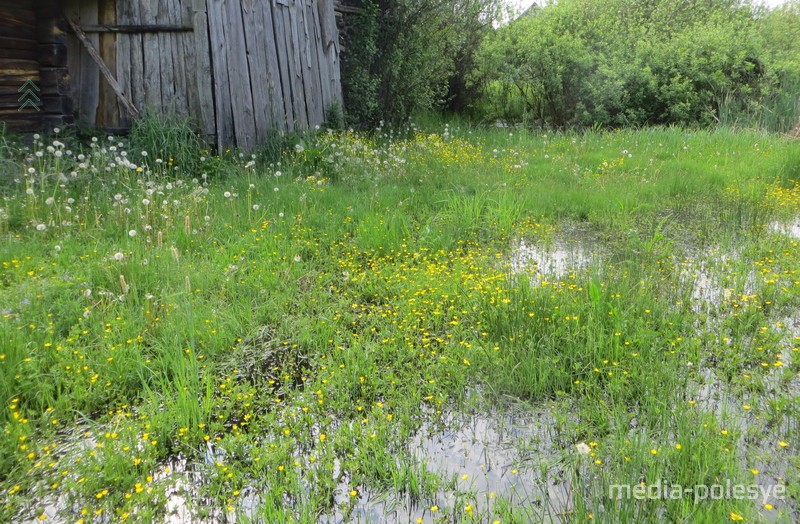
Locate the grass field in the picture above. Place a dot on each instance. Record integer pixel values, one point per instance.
(449, 325)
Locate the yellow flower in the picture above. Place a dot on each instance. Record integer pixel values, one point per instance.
(736, 517)
(434, 508)
(782, 443)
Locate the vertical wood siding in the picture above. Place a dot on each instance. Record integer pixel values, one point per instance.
(242, 69)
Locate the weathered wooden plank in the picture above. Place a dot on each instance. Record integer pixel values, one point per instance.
(151, 54)
(137, 28)
(283, 62)
(124, 66)
(296, 68)
(74, 58)
(14, 78)
(178, 60)
(108, 110)
(203, 77)
(89, 89)
(19, 18)
(255, 38)
(24, 121)
(331, 47)
(23, 54)
(133, 15)
(334, 59)
(167, 65)
(12, 65)
(349, 9)
(222, 93)
(95, 55)
(187, 43)
(311, 66)
(321, 59)
(273, 82)
(239, 76)
(12, 43)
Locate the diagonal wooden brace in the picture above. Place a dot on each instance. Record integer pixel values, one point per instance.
(104, 69)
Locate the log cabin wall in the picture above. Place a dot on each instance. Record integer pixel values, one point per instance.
(18, 63)
(241, 69)
(32, 49)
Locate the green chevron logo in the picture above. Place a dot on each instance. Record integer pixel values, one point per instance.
(29, 97)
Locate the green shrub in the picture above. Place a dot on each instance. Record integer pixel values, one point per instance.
(617, 63)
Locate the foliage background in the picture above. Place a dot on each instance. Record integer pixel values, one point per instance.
(615, 63)
(576, 63)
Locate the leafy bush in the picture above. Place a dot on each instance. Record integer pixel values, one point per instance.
(616, 63)
(402, 56)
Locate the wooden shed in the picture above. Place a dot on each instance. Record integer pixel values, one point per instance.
(240, 69)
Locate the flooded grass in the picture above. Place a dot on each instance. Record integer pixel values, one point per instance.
(463, 326)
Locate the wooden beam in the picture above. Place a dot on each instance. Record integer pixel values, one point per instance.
(103, 68)
(349, 10)
(146, 28)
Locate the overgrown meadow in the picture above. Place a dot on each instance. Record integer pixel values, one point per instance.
(450, 324)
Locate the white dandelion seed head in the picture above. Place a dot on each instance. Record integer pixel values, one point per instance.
(40, 227)
(132, 233)
(119, 256)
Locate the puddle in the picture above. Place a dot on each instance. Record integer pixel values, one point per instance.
(479, 459)
(792, 228)
(552, 264)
